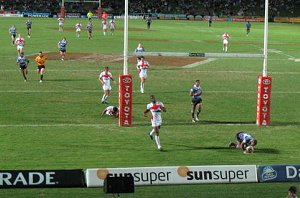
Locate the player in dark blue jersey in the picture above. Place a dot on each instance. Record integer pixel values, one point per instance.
(62, 46)
(23, 63)
(28, 26)
(243, 140)
(148, 22)
(248, 27)
(89, 28)
(13, 33)
(196, 93)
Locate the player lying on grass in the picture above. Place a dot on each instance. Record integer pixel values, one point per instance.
(111, 111)
(243, 141)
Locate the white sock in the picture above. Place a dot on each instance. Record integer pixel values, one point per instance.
(103, 98)
(142, 87)
(157, 141)
(151, 132)
(225, 49)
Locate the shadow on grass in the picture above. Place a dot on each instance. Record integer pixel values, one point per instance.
(227, 122)
(221, 148)
(210, 122)
(189, 147)
(216, 122)
(267, 151)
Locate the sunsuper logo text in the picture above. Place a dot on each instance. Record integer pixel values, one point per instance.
(176, 174)
(145, 177)
(125, 100)
(27, 178)
(218, 175)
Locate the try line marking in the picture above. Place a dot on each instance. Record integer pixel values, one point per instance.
(105, 125)
(199, 63)
(87, 125)
(97, 91)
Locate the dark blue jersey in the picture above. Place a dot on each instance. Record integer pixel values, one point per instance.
(196, 92)
(248, 26)
(62, 45)
(28, 23)
(89, 27)
(22, 61)
(244, 137)
(12, 30)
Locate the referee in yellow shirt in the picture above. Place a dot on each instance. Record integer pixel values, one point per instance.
(89, 15)
(41, 60)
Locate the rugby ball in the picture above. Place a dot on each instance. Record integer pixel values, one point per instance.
(249, 149)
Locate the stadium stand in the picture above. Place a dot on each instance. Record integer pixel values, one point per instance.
(220, 8)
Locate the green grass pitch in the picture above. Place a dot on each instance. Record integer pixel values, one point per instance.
(57, 125)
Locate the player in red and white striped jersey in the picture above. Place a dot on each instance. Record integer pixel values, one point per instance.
(112, 26)
(104, 79)
(78, 29)
(225, 37)
(155, 107)
(20, 44)
(142, 67)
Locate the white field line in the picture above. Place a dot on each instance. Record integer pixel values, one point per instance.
(91, 125)
(55, 125)
(279, 52)
(207, 71)
(276, 52)
(96, 91)
(199, 63)
(249, 72)
(105, 125)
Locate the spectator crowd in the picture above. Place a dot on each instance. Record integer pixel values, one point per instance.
(219, 8)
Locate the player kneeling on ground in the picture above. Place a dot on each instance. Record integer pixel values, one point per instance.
(245, 142)
(111, 111)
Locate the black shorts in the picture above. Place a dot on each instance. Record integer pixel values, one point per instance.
(63, 50)
(41, 67)
(196, 101)
(23, 67)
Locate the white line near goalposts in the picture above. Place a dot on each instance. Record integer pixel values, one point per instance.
(200, 63)
(92, 125)
(97, 91)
